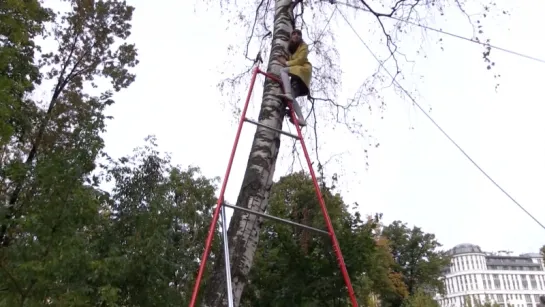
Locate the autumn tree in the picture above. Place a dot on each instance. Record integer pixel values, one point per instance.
(269, 24)
(420, 299)
(418, 259)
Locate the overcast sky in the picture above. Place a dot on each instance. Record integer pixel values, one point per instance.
(415, 175)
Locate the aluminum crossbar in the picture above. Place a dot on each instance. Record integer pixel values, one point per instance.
(275, 218)
(271, 128)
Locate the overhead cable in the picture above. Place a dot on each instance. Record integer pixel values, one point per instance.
(441, 129)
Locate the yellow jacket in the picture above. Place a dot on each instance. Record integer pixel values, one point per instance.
(299, 64)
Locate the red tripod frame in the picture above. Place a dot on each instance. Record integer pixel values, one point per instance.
(299, 136)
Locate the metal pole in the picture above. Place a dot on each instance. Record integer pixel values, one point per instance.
(227, 262)
(215, 217)
(274, 218)
(332, 236)
(271, 128)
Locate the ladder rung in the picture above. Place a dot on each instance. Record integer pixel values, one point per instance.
(274, 218)
(271, 128)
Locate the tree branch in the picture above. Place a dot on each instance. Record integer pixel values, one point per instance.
(13, 280)
(300, 15)
(249, 40)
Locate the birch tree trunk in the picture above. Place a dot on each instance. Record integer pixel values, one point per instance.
(254, 194)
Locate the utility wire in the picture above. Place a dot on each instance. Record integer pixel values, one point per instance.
(450, 34)
(327, 23)
(321, 33)
(439, 127)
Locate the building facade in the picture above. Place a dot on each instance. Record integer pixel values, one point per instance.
(477, 276)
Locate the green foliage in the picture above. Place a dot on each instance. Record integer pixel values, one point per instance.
(49, 234)
(49, 227)
(157, 219)
(296, 268)
(417, 259)
(420, 299)
(87, 35)
(20, 23)
(135, 246)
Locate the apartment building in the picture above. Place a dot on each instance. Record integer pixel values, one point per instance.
(499, 277)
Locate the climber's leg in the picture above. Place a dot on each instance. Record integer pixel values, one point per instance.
(285, 77)
(298, 112)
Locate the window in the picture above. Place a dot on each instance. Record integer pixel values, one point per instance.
(458, 283)
(497, 283)
(533, 282)
(524, 282)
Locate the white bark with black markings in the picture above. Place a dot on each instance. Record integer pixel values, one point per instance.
(254, 194)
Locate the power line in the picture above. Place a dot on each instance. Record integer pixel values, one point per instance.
(327, 23)
(321, 33)
(450, 34)
(439, 127)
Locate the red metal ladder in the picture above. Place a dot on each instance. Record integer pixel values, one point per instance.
(221, 204)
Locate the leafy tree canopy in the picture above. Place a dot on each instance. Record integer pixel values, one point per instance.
(417, 258)
(296, 268)
(20, 23)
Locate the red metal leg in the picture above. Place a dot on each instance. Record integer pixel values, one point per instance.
(221, 196)
(215, 217)
(335, 243)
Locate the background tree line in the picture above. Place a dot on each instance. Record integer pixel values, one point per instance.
(66, 241)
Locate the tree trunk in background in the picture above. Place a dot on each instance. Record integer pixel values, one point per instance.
(254, 194)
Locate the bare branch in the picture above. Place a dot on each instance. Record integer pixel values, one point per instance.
(249, 40)
(300, 15)
(326, 71)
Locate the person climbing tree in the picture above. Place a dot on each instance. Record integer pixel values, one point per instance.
(300, 70)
